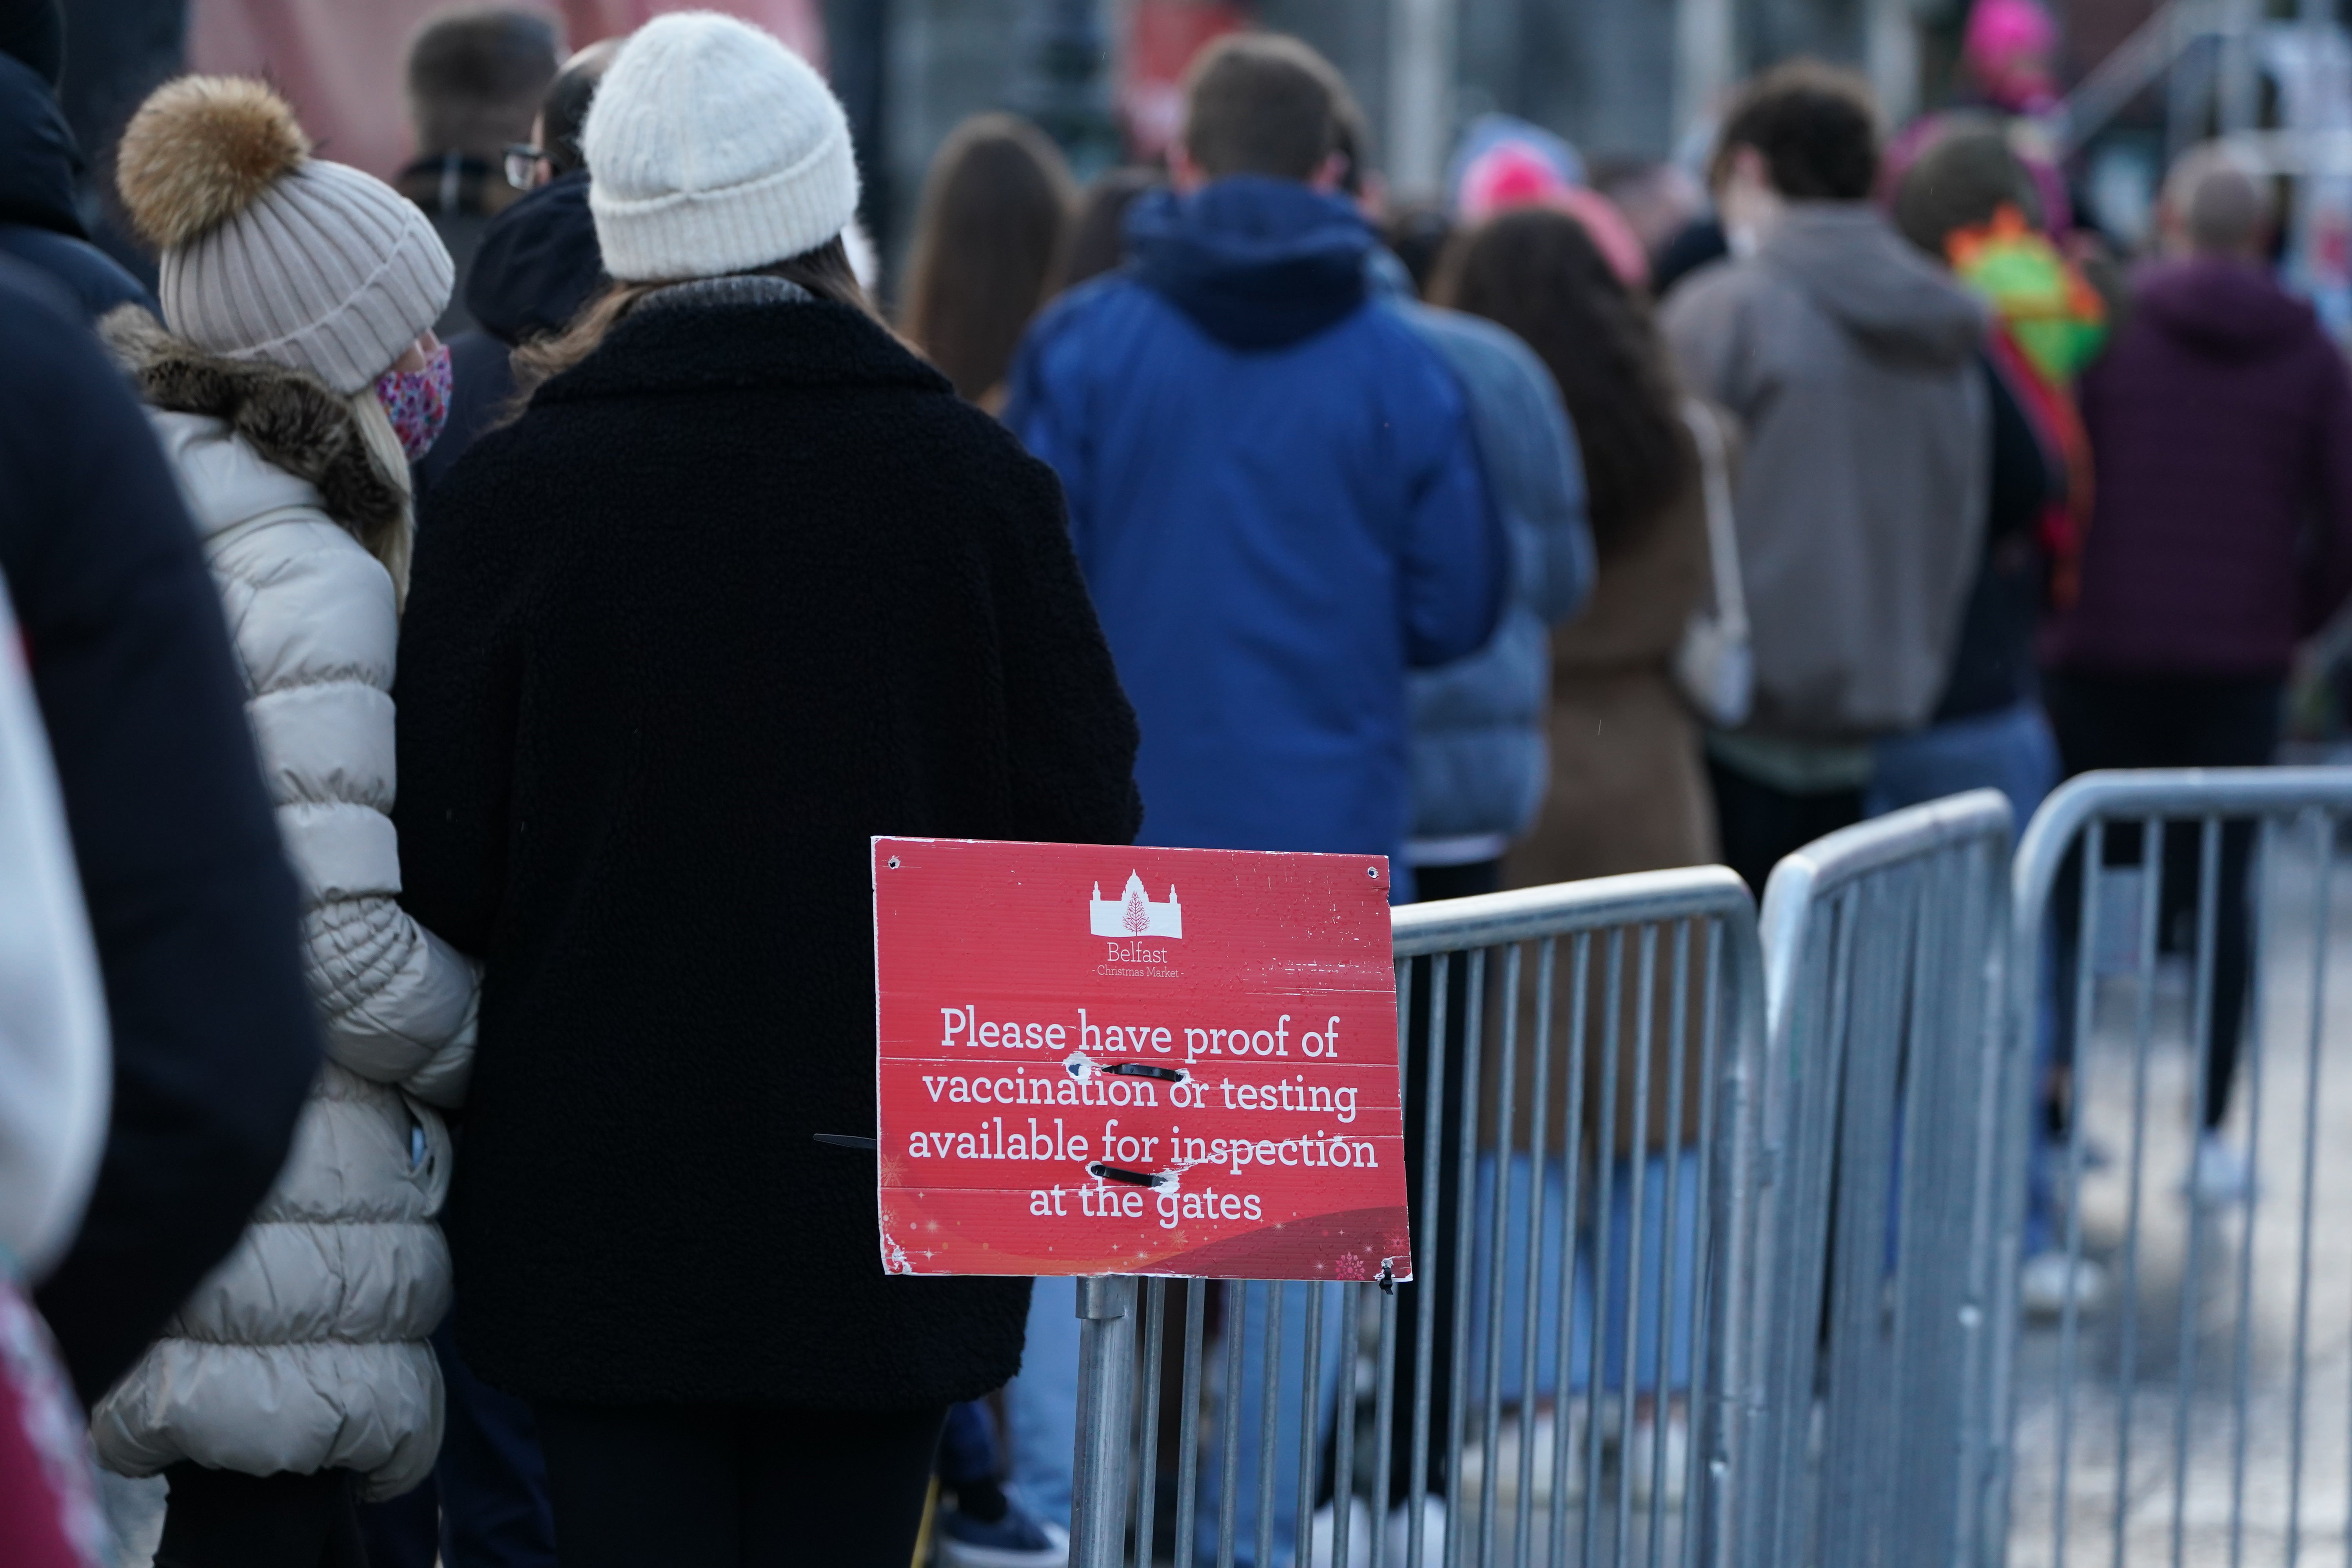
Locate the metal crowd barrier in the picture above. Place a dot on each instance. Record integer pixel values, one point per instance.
(1881, 947)
(1601, 1401)
(2195, 1409)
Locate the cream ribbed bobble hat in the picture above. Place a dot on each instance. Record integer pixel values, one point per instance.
(713, 149)
(268, 252)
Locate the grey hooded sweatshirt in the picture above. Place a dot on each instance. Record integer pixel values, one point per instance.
(1852, 362)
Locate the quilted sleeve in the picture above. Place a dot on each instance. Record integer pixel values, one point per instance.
(314, 618)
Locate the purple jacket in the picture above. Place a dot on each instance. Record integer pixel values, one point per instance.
(2221, 426)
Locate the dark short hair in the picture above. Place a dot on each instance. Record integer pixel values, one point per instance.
(475, 76)
(1964, 178)
(1261, 103)
(1816, 128)
(564, 110)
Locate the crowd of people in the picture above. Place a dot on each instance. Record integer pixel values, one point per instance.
(394, 1173)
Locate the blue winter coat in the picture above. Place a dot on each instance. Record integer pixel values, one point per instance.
(1280, 510)
(1480, 760)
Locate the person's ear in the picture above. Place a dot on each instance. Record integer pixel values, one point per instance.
(1328, 174)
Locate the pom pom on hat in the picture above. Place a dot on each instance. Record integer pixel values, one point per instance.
(268, 252)
(202, 150)
(715, 149)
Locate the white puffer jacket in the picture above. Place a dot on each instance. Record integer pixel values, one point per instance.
(305, 1349)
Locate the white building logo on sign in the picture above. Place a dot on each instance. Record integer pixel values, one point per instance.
(1133, 913)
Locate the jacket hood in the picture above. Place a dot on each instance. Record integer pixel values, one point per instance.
(38, 160)
(538, 263)
(296, 423)
(1256, 263)
(1894, 303)
(2224, 308)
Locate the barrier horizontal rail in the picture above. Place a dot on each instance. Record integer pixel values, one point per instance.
(1882, 946)
(2170, 927)
(1568, 1378)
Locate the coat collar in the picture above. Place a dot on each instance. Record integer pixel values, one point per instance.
(697, 339)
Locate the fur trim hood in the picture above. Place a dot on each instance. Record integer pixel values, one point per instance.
(294, 420)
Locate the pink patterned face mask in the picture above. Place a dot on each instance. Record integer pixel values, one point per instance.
(418, 402)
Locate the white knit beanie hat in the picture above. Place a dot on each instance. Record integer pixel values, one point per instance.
(268, 252)
(713, 149)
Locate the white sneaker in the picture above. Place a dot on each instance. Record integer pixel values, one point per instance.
(1640, 1461)
(1322, 1534)
(2047, 1281)
(1544, 1435)
(2221, 1177)
(1399, 1535)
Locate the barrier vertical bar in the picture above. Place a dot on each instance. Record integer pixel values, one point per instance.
(1105, 1389)
(2324, 833)
(1147, 1470)
(1467, 1168)
(1500, 1254)
(1188, 1420)
(2242, 1373)
(2151, 860)
(1531, 1330)
(1580, 960)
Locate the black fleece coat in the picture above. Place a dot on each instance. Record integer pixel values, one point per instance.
(743, 589)
(40, 226)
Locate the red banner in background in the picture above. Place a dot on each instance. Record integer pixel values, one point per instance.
(1136, 1061)
(1162, 36)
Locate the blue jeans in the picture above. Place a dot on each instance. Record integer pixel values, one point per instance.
(1041, 1405)
(1291, 1375)
(1662, 1324)
(2011, 749)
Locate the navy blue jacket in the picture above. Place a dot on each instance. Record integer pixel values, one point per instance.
(538, 264)
(39, 224)
(191, 900)
(1277, 502)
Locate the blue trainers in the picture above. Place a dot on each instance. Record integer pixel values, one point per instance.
(1019, 1540)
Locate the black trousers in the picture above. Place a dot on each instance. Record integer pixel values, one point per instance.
(1759, 824)
(734, 1487)
(2170, 722)
(225, 1519)
(1432, 1288)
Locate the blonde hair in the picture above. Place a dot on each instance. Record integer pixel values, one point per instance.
(392, 541)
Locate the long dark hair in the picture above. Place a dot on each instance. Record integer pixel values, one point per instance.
(824, 272)
(1536, 271)
(996, 214)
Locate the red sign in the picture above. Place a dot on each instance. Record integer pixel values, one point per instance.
(1136, 1061)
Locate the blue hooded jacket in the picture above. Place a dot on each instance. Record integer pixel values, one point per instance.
(1277, 501)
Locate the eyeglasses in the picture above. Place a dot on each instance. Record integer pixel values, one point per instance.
(522, 164)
